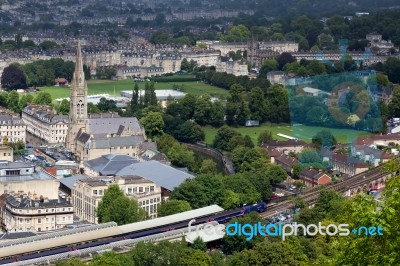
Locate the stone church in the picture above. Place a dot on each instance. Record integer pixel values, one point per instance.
(90, 136)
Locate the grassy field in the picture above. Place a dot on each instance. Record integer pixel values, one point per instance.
(109, 87)
(299, 131)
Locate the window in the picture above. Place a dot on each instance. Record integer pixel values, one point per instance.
(140, 189)
(39, 211)
(39, 220)
(95, 192)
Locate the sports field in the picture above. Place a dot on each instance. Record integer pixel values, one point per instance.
(301, 132)
(111, 87)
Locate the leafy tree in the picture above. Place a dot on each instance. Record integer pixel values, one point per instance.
(324, 139)
(190, 132)
(223, 137)
(264, 137)
(172, 206)
(238, 33)
(191, 191)
(25, 100)
(217, 114)
(13, 78)
(283, 59)
(248, 142)
(192, 257)
(208, 166)
(134, 105)
(310, 158)
(268, 65)
(64, 107)
(43, 98)
(93, 109)
(392, 68)
(153, 123)
(199, 244)
(13, 102)
(394, 105)
(257, 104)
(71, 262)
(113, 192)
(115, 206)
(106, 105)
(203, 109)
(110, 259)
(277, 104)
(365, 211)
(47, 45)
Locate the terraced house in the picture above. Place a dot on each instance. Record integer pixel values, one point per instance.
(43, 122)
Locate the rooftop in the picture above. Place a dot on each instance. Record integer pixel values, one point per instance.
(25, 202)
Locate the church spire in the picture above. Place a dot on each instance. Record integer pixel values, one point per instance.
(78, 103)
(78, 64)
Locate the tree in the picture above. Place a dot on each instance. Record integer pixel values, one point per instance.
(191, 191)
(192, 257)
(224, 135)
(71, 262)
(93, 109)
(310, 158)
(324, 139)
(25, 100)
(238, 33)
(268, 65)
(110, 259)
(115, 206)
(190, 132)
(208, 166)
(392, 68)
(135, 99)
(113, 192)
(13, 102)
(153, 124)
(283, 59)
(199, 244)
(264, 137)
(202, 111)
(257, 105)
(106, 105)
(13, 78)
(64, 106)
(43, 98)
(394, 105)
(172, 206)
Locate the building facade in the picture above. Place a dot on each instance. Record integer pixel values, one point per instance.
(87, 193)
(6, 153)
(229, 66)
(12, 128)
(43, 122)
(21, 213)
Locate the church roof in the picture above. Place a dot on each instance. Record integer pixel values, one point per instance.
(118, 141)
(107, 125)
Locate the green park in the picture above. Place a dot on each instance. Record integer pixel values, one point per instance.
(301, 132)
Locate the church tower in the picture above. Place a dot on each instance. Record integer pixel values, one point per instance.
(78, 103)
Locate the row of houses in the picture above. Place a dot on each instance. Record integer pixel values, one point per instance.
(363, 154)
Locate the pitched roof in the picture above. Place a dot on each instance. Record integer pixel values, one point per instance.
(110, 164)
(161, 174)
(118, 141)
(312, 173)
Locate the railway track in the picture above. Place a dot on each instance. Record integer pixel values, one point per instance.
(311, 196)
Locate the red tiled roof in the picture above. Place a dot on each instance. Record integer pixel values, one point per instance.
(60, 80)
(273, 152)
(311, 173)
(287, 160)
